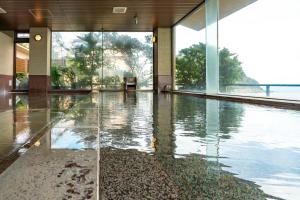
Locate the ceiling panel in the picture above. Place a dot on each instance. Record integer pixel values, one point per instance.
(83, 15)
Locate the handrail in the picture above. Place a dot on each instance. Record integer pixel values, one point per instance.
(275, 85)
(268, 86)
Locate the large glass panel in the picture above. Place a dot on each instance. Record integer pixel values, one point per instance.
(76, 60)
(127, 54)
(190, 72)
(259, 46)
(96, 60)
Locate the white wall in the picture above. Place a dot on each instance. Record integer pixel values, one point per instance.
(6, 54)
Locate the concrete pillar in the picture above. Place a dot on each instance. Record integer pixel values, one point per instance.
(162, 58)
(39, 62)
(6, 61)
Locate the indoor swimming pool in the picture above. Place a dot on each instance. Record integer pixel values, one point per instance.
(140, 145)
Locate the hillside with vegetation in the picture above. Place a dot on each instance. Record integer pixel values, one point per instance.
(191, 69)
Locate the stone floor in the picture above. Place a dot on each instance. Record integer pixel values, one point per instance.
(55, 174)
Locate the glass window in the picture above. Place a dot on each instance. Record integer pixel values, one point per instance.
(127, 54)
(23, 35)
(259, 48)
(76, 60)
(96, 60)
(190, 68)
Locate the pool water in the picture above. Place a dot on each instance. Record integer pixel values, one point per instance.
(180, 147)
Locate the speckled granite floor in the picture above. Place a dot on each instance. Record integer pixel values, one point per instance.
(51, 174)
(134, 175)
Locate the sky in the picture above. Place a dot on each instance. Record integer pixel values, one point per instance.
(266, 37)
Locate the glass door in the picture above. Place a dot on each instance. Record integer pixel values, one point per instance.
(21, 70)
(21, 66)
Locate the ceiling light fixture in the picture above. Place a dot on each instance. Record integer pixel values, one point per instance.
(136, 19)
(154, 39)
(38, 37)
(119, 10)
(2, 11)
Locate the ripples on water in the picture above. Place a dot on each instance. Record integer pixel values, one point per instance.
(216, 140)
(256, 143)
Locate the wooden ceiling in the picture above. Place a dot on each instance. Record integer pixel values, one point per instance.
(88, 15)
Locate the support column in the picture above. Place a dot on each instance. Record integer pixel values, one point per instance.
(39, 63)
(6, 61)
(162, 58)
(212, 53)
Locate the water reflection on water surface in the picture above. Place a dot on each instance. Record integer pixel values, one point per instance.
(209, 148)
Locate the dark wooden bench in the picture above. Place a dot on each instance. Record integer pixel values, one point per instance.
(130, 83)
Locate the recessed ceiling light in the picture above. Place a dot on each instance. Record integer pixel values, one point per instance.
(2, 11)
(119, 10)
